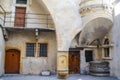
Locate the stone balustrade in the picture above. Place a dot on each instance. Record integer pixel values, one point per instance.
(91, 6)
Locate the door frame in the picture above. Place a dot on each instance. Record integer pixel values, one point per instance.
(19, 52)
(93, 52)
(15, 19)
(75, 49)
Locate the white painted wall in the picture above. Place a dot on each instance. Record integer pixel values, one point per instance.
(2, 47)
(116, 39)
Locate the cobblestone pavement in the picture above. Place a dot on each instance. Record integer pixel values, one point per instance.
(54, 77)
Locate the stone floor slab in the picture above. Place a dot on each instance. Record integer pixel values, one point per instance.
(54, 77)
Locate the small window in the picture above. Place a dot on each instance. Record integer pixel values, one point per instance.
(89, 55)
(43, 48)
(21, 1)
(30, 49)
(106, 52)
(106, 49)
(106, 42)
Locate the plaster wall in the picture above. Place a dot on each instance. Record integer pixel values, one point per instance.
(116, 41)
(6, 4)
(65, 13)
(84, 66)
(35, 15)
(2, 48)
(34, 65)
(67, 19)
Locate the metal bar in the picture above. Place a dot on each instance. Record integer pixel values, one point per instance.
(4, 19)
(29, 13)
(31, 23)
(47, 21)
(2, 8)
(30, 18)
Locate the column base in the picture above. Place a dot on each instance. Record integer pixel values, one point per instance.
(62, 75)
(62, 64)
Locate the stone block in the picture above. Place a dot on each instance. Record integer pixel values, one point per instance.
(45, 73)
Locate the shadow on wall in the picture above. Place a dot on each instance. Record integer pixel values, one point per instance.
(95, 29)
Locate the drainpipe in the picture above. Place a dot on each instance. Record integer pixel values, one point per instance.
(5, 33)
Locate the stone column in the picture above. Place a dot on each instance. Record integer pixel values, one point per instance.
(62, 64)
(99, 54)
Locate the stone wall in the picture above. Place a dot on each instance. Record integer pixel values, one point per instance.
(116, 39)
(35, 14)
(67, 20)
(6, 4)
(33, 65)
(2, 47)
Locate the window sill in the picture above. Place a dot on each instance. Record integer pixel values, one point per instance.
(107, 58)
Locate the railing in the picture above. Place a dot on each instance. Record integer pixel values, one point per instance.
(27, 20)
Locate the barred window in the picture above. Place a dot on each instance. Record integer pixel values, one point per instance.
(43, 49)
(21, 1)
(30, 49)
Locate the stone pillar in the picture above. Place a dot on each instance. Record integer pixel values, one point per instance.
(99, 54)
(62, 64)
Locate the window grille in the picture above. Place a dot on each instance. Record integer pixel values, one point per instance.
(21, 1)
(43, 49)
(30, 49)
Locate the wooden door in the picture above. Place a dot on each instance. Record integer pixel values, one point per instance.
(74, 62)
(20, 13)
(12, 61)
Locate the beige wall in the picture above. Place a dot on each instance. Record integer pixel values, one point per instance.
(2, 47)
(69, 8)
(34, 65)
(67, 23)
(6, 4)
(33, 7)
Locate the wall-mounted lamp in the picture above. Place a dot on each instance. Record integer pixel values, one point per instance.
(36, 34)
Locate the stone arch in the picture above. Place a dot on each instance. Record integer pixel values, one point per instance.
(13, 49)
(44, 5)
(91, 17)
(100, 26)
(75, 41)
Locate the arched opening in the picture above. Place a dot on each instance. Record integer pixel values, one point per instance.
(12, 61)
(74, 56)
(95, 30)
(88, 44)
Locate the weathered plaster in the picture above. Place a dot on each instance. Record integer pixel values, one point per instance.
(98, 28)
(34, 65)
(116, 40)
(67, 20)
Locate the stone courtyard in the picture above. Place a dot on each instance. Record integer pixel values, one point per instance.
(54, 77)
